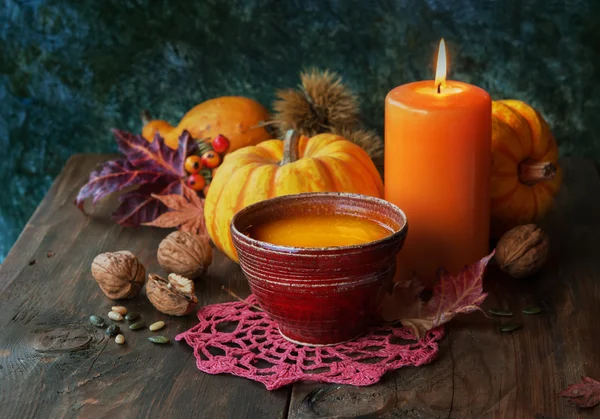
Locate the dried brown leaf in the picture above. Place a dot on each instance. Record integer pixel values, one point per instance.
(452, 295)
(184, 212)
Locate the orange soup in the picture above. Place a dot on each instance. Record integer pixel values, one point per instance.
(319, 231)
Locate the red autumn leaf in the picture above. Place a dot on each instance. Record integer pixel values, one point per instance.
(584, 394)
(152, 167)
(452, 295)
(185, 212)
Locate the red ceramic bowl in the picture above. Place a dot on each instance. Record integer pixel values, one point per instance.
(320, 296)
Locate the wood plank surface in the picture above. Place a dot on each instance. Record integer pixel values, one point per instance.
(53, 364)
(483, 373)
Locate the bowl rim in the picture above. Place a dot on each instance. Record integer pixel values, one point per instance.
(321, 250)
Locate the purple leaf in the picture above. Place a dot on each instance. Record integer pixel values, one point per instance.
(155, 156)
(153, 167)
(112, 176)
(138, 207)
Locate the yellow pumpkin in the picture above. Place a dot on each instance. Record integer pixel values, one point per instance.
(153, 126)
(323, 163)
(525, 171)
(237, 118)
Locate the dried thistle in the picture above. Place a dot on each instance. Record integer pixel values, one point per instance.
(367, 139)
(322, 103)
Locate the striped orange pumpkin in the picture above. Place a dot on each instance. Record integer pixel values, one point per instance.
(323, 163)
(525, 170)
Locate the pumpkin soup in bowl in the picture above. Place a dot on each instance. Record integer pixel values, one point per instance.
(319, 263)
(325, 230)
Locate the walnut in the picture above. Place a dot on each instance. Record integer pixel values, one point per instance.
(119, 274)
(184, 254)
(175, 296)
(523, 250)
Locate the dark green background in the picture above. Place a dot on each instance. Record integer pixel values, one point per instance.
(71, 70)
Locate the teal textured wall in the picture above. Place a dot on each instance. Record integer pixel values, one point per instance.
(71, 70)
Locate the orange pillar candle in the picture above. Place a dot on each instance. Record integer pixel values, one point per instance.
(437, 169)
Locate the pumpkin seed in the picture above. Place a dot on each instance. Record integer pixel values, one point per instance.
(97, 321)
(510, 327)
(137, 325)
(120, 339)
(158, 339)
(113, 330)
(119, 309)
(500, 312)
(132, 315)
(113, 315)
(157, 326)
(532, 310)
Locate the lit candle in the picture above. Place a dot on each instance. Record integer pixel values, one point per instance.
(437, 169)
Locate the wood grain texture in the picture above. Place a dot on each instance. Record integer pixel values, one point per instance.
(54, 364)
(483, 373)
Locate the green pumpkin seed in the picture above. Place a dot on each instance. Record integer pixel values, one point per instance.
(132, 316)
(510, 327)
(158, 339)
(500, 312)
(113, 330)
(137, 325)
(97, 321)
(532, 310)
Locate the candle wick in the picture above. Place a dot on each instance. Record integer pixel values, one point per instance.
(439, 88)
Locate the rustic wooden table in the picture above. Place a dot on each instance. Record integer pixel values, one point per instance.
(54, 364)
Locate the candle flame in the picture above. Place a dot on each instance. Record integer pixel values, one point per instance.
(440, 70)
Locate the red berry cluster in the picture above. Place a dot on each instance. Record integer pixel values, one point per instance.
(201, 166)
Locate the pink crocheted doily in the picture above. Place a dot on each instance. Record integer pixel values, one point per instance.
(238, 339)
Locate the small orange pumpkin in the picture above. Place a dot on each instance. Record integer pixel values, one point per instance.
(323, 163)
(525, 171)
(237, 118)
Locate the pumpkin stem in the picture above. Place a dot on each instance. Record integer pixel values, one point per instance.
(290, 147)
(531, 172)
(145, 116)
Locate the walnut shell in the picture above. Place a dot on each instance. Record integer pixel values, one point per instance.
(174, 296)
(119, 274)
(523, 250)
(184, 254)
